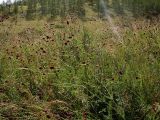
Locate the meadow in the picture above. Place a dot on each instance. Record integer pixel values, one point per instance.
(79, 69)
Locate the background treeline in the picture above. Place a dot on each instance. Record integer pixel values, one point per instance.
(136, 7)
(53, 8)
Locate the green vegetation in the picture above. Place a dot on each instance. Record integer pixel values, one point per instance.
(54, 8)
(78, 69)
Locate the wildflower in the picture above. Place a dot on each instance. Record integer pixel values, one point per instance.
(41, 48)
(18, 56)
(44, 51)
(66, 43)
(70, 37)
(48, 116)
(120, 73)
(51, 67)
(40, 68)
(48, 37)
(67, 22)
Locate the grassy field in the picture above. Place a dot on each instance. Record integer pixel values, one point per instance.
(79, 70)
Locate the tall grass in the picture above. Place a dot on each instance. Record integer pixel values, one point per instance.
(68, 76)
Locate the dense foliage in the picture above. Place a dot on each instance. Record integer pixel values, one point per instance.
(62, 8)
(70, 68)
(63, 71)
